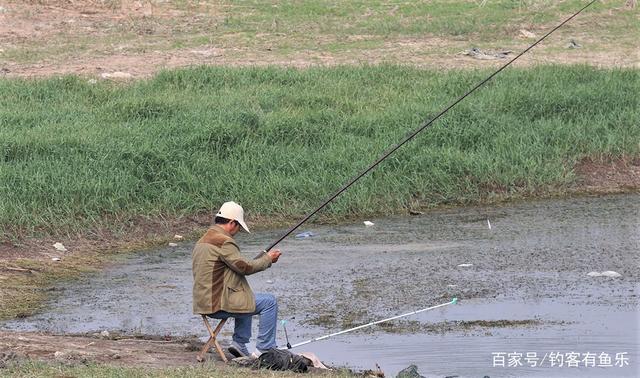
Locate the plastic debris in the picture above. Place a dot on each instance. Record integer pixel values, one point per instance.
(464, 265)
(55, 258)
(178, 237)
(116, 75)
(269, 281)
(173, 244)
(304, 235)
(488, 223)
(608, 273)
(368, 223)
(59, 247)
(527, 33)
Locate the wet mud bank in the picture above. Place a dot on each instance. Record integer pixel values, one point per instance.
(522, 284)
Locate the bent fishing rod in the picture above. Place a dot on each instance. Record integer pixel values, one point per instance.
(415, 132)
(289, 346)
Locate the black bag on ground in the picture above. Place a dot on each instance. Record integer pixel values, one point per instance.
(282, 359)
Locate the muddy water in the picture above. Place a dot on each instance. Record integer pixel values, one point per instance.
(527, 290)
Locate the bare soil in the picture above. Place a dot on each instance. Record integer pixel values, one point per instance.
(82, 349)
(139, 38)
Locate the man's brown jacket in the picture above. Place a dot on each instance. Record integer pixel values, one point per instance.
(219, 272)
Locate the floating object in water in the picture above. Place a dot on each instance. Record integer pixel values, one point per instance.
(55, 258)
(59, 247)
(608, 273)
(368, 223)
(173, 244)
(488, 223)
(304, 235)
(452, 285)
(269, 281)
(464, 265)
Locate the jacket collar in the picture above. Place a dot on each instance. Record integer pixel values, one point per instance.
(219, 229)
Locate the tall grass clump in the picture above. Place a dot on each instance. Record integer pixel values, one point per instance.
(75, 155)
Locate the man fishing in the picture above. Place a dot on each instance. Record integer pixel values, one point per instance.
(220, 288)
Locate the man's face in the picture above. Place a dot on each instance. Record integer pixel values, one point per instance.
(235, 229)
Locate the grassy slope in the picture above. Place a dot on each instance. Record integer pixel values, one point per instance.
(75, 155)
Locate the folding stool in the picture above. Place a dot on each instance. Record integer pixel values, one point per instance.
(212, 340)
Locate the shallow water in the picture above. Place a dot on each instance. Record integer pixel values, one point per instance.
(531, 266)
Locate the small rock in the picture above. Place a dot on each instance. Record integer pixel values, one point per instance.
(104, 333)
(58, 355)
(410, 371)
(526, 33)
(415, 212)
(611, 274)
(116, 75)
(173, 244)
(573, 45)
(464, 265)
(368, 223)
(3, 10)
(59, 247)
(178, 237)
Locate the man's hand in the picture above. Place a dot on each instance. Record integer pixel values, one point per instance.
(274, 254)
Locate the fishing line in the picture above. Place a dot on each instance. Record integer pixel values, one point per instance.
(411, 135)
(289, 346)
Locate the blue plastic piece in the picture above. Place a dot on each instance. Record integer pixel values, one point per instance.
(454, 301)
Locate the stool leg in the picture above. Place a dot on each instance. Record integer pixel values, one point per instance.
(212, 340)
(215, 341)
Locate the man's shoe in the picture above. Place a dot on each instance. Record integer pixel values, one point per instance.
(238, 350)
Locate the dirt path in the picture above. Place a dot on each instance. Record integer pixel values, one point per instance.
(81, 349)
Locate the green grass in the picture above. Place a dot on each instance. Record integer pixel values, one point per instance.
(75, 155)
(30, 369)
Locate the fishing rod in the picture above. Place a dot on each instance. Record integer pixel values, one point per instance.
(289, 346)
(411, 135)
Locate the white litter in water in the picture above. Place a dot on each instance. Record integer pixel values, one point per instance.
(488, 223)
(452, 285)
(269, 281)
(178, 237)
(368, 223)
(465, 265)
(173, 245)
(55, 258)
(59, 247)
(608, 273)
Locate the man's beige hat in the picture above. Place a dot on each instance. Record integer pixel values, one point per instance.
(233, 211)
